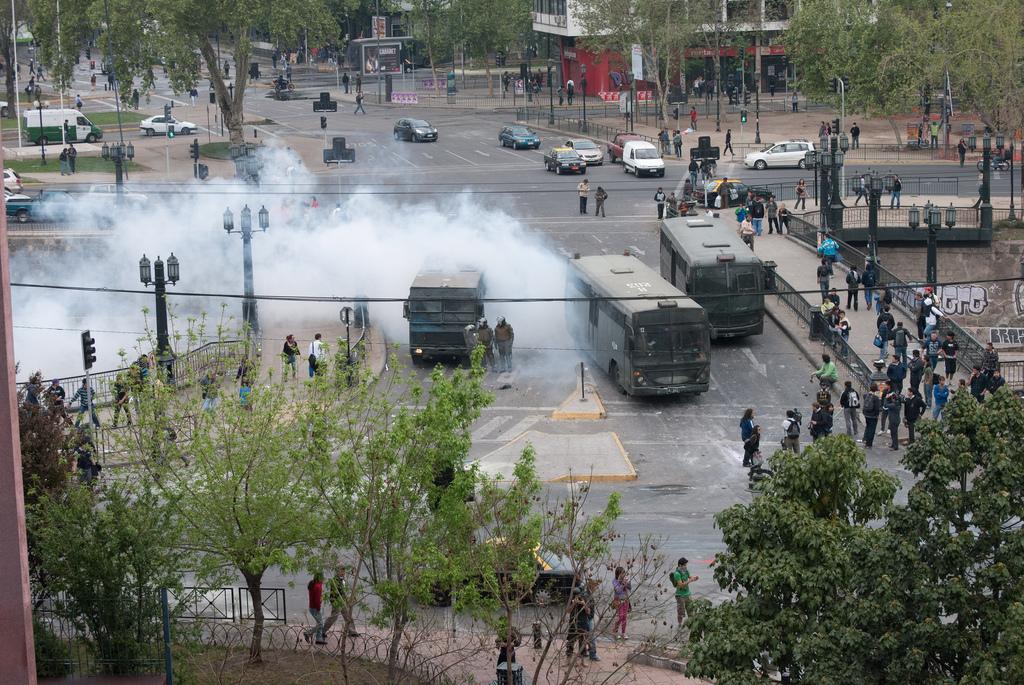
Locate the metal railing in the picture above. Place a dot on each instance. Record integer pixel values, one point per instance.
(818, 329)
(971, 349)
(211, 356)
(967, 218)
(573, 125)
(275, 610)
(208, 604)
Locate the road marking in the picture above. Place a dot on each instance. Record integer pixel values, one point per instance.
(520, 428)
(492, 425)
(428, 156)
(469, 161)
(479, 152)
(407, 161)
(512, 152)
(761, 368)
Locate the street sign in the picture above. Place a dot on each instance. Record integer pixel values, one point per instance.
(346, 315)
(338, 153)
(705, 153)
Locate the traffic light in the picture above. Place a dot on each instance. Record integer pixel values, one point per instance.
(170, 130)
(88, 350)
(202, 171)
(835, 85)
(167, 111)
(323, 122)
(213, 98)
(836, 81)
(743, 116)
(195, 150)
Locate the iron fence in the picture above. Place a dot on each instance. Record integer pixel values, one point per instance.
(967, 219)
(971, 349)
(818, 329)
(275, 610)
(209, 604)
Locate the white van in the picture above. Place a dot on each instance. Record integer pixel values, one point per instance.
(45, 126)
(642, 158)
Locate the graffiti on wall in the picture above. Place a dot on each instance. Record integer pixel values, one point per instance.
(963, 300)
(1006, 336)
(1018, 297)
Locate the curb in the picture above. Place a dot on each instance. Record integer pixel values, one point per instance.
(594, 412)
(662, 662)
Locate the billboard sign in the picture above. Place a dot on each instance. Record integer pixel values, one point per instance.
(385, 61)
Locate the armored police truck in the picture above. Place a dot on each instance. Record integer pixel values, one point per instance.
(440, 306)
(655, 346)
(705, 258)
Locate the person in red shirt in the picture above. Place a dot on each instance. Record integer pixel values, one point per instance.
(693, 118)
(315, 590)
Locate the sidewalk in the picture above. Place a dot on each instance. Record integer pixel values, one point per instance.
(797, 263)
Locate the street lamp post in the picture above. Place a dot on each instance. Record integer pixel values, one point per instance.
(118, 153)
(839, 145)
(551, 94)
(1013, 214)
(933, 218)
(986, 180)
(757, 108)
(156, 275)
(583, 93)
(250, 317)
(815, 159)
(876, 184)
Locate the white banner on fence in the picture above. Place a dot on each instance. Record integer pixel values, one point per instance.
(638, 61)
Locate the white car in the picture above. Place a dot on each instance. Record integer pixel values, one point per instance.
(18, 197)
(12, 181)
(787, 153)
(110, 189)
(3, 109)
(157, 126)
(588, 150)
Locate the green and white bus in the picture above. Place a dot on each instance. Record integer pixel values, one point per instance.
(705, 258)
(656, 346)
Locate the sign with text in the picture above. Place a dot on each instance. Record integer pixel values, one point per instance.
(382, 59)
(405, 98)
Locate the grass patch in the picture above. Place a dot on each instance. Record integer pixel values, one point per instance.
(110, 118)
(24, 166)
(261, 122)
(219, 150)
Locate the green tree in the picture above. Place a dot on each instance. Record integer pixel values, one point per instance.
(984, 44)
(7, 34)
(660, 27)
(185, 34)
(105, 557)
(433, 23)
(790, 558)
(488, 27)
(877, 46)
(236, 475)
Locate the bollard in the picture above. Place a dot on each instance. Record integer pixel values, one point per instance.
(583, 389)
(538, 638)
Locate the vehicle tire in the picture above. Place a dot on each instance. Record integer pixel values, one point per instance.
(981, 165)
(291, 86)
(415, 138)
(625, 169)
(558, 171)
(147, 132)
(760, 165)
(397, 137)
(801, 164)
(91, 138)
(3, 112)
(616, 376)
(185, 131)
(22, 216)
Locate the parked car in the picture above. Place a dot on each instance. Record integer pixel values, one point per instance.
(739, 192)
(642, 159)
(158, 126)
(615, 147)
(516, 137)
(788, 153)
(3, 109)
(588, 150)
(559, 159)
(12, 180)
(554, 579)
(415, 130)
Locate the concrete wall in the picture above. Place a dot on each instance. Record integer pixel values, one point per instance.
(992, 310)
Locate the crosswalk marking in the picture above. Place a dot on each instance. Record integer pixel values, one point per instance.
(521, 427)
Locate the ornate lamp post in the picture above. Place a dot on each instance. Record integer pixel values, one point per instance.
(249, 315)
(876, 185)
(933, 218)
(583, 93)
(839, 145)
(986, 182)
(551, 94)
(156, 275)
(118, 153)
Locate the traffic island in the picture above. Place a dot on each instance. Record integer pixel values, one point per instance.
(596, 457)
(585, 405)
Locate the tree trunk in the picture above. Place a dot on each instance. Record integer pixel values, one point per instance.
(254, 583)
(230, 103)
(7, 48)
(397, 631)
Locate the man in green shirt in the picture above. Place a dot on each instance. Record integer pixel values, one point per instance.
(681, 580)
(827, 371)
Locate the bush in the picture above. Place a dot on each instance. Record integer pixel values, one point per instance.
(53, 655)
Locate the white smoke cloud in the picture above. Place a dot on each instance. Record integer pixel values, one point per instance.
(374, 247)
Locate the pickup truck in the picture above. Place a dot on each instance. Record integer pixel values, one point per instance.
(618, 142)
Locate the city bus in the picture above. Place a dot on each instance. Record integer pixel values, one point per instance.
(656, 346)
(704, 257)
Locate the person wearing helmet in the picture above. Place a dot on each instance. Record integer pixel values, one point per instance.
(485, 337)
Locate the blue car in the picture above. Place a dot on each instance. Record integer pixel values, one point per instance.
(516, 137)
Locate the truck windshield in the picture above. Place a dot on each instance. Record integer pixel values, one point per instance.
(670, 344)
(442, 311)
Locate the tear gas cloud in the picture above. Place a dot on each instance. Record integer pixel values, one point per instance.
(373, 247)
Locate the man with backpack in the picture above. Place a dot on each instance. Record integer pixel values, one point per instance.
(900, 339)
(791, 432)
(681, 580)
(868, 279)
(853, 289)
(872, 408)
(850, 402)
